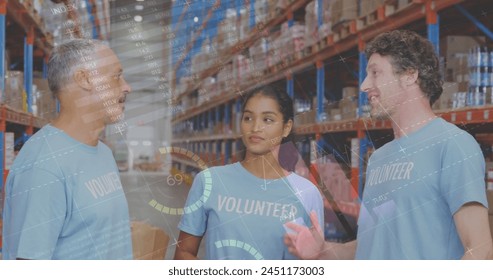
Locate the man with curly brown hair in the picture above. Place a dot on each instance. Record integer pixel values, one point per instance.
(424, 195)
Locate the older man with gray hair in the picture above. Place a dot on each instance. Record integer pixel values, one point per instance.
(64, 198)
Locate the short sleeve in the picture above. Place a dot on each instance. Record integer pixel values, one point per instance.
(309, 196)
(36, 202)
(463, 169)
(194, 219)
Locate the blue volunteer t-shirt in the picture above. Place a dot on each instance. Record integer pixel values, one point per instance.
(414, 186)
(64, 200)
(243, 216)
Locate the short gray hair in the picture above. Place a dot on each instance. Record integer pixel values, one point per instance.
(64, 59)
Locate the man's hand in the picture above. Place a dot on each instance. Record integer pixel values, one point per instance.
(306, 243)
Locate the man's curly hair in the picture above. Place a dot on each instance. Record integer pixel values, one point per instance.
(408, 51)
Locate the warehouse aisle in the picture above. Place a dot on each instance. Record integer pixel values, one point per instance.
(143, 187)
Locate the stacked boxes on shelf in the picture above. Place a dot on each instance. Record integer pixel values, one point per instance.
(368, 6)
(292, 38)
(264, 10)
(303, 111)
(207, 90)
(44, 100)
(9, 150)
(244, 23)
(15, 94)
(349, 103)
(59, 20)
(228, 32)
(275, 49)
(258, 54)
(225, 78)
(344, 109)
(343, 11)
(467, 73)
(241, 69)
(314, 33)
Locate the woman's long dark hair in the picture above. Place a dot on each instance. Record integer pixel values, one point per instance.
(288, 154)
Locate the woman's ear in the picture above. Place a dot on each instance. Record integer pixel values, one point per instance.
(288, 126)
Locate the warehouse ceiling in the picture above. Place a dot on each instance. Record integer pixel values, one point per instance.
(135, 42)
(137, 37)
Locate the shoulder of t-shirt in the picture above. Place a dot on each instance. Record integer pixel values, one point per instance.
(38, 170)
(104, 147)
(218, 170)
(33, 151)
(456, 137)
(301, 183)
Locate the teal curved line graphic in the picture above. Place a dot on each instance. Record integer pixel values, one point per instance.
(239, 244)
(207, 184)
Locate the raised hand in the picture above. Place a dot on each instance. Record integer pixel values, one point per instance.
(305, 243)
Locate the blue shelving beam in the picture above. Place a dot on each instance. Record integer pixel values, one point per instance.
(2, 52)
(476, 22)
(218, 143)
(211, 121)
(92, 20)
(227, 114)
(320, 90)
(290, 86)
(252, 14)
(2, 89)
(28, 73)
(320, 70)
(363, 97)
(434, 34)
(362, 101)
(227, 124)
(290, 78)
(227, 153)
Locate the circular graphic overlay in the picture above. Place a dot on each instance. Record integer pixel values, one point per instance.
(241, 245)
(184, 153)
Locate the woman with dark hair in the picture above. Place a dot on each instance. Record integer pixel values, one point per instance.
(242, 207)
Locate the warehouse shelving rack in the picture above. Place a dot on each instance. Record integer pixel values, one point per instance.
(352, 35)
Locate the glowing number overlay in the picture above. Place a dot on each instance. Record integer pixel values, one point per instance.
(241, 245)
(207, 183)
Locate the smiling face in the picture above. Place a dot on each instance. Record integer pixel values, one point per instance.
(262, 125)
(383, 86)
(109, 86)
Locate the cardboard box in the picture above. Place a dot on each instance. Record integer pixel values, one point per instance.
(368, 6)
(454, 50)
(148, 242)
(446, 99)
(343, 10)
(450, 45)
(14, 90)
(9, 150)
(335, 114)
(45, 101)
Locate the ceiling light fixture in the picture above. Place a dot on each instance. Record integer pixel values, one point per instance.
(138, 18)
